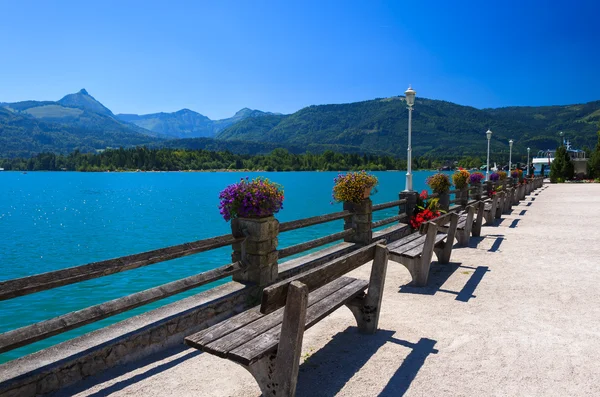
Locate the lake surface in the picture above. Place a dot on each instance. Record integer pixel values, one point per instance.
(54, 220)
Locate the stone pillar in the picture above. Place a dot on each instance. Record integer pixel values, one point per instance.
(464, 196)
(360, 220)
(444, 201)
(411, 203)
(489, 187)
(478, 189)
(260, 249)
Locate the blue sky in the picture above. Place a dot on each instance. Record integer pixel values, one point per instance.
(216, 57)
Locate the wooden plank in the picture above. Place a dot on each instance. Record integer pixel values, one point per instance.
(41, 282)
(290, 341)
(403, 241)
(376, 286)
(315, 220)
(239, 332)
(390, 204)
(45, 329)
(387, 221)
(295, 249)
(274, 295)
(418, 242)
(266, 342)
(417, 251)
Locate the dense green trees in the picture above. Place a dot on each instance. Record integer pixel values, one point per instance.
(146, 159)
(594, 163)
(562, 167)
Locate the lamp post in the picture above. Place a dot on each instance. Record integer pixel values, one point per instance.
(510, 142)
(528, 166)
(410, 101)
(487, 170)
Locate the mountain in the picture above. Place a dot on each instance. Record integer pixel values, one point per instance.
(83, 100)
(440, 129)
(77, 121)
(186, 123)
(22, 136)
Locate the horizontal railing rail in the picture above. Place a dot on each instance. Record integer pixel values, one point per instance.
(389, 220)
(315, 220)
(390, 204)
(58, 278)
(57, 325)
(298, 248)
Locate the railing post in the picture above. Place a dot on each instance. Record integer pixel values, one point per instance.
(489, 187)
(464, 199)
(360, 220)
(259, 250)
(478, 187)
(411, 204)
(444, 201)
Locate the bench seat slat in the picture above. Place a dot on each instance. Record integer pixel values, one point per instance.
(224, 345)
(417, 251)
(418, 242)
(267, 342)
(403, 241)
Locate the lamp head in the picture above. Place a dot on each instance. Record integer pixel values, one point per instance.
(510, 142)
(489, 134)
(410, 96)
(528, 149)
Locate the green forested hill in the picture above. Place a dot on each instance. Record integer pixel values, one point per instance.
(22, 135)
(440, 128)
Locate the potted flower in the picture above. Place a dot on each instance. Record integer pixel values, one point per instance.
(439, 183)
(503, 175)
(461, 178)
(425, 210)
(353, 187)
(476, 178)
(258, 198)
(494, 176)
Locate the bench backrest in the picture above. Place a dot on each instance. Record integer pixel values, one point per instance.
(275, 295)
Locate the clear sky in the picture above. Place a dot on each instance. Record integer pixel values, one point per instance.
(218, 56)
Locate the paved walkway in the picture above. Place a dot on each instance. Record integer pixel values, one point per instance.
(516, 314)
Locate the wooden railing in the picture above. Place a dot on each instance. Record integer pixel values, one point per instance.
(45, 329)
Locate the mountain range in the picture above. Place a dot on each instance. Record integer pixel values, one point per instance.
(441, 129)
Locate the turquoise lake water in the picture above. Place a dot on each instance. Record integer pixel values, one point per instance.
(54, 220)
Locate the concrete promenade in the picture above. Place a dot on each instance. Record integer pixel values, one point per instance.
(515, 314)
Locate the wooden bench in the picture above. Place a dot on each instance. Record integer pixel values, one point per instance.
(490, 210)
(267, 340)
(469, 221)
(415, 251)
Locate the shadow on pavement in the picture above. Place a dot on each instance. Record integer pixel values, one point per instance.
(124, 369)
(325, 372)
(439, 274)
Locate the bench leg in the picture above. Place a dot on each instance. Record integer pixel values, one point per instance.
(366, 308)
(277, 375)
(462, 236)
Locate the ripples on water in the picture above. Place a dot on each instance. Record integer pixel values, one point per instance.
(54, 220)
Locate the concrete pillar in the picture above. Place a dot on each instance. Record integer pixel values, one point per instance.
(478, 190)
(260, 249)
(464, 199)
(411, 203)
(360, 220)
(444, 201)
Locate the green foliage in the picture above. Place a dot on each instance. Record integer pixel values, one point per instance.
(147, 159)
(441, 130)
(562, 167)
(594, 162)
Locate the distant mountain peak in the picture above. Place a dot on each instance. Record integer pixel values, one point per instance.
(83, 100)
